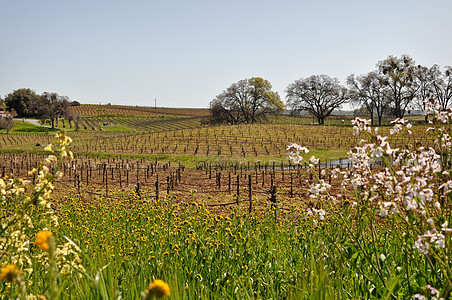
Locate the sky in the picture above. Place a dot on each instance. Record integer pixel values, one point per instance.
(184, 53)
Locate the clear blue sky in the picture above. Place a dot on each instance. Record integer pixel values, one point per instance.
(184, 53)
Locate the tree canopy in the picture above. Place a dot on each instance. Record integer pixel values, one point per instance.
(246, 101)
(24, 101)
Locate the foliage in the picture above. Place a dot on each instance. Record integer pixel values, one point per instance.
(317, 94)
(24, 102)
(247, 101)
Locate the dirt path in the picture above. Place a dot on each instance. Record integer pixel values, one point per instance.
(32, 121)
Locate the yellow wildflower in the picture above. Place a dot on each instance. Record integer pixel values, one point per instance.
(42, 239)
(156, 290)
(48, 148)
(9, 273)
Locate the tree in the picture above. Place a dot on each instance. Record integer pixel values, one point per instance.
(246, 101)
(369, 91)
(317, 94)
(443, 87)
(425, 79)
(23, 102)
(53, 106)
(6, 123)
(398, 75)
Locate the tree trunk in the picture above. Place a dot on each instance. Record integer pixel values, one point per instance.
(371, 117)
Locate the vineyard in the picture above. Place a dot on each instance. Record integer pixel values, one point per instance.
(245, 142)
(218, 211)
(175, 153)
(86, 110)
(138, 124)
(132, 119)
(221, 163)
(250, 184)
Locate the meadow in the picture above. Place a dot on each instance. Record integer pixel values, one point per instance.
(218, 212)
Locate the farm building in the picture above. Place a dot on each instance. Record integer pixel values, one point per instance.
(3, 113)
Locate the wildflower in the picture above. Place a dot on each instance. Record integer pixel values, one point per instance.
(48, 148)
(293, 151)
(156, 290)
(296, 148)
(43, 239)
(314, 160)
(10, 273)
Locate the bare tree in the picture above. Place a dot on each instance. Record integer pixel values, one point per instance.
(425, 79)
(443, 87)
(369, 91)
(398, 74)
(69, 116)
(53, 106)
(6, 123)
(317, 94)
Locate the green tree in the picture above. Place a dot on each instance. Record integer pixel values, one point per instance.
(246, 101)
(23, 101)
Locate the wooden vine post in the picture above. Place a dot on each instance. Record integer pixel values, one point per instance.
(157, 188)
(272, 199)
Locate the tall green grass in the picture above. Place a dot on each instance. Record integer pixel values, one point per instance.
(126, 242)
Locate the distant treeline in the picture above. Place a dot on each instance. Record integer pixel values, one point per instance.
(26, 103)
(396, 86)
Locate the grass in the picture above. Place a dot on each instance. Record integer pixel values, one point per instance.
(192, 161)
(115, 128)
(25, 127)
(126, 242)
(200, 254)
